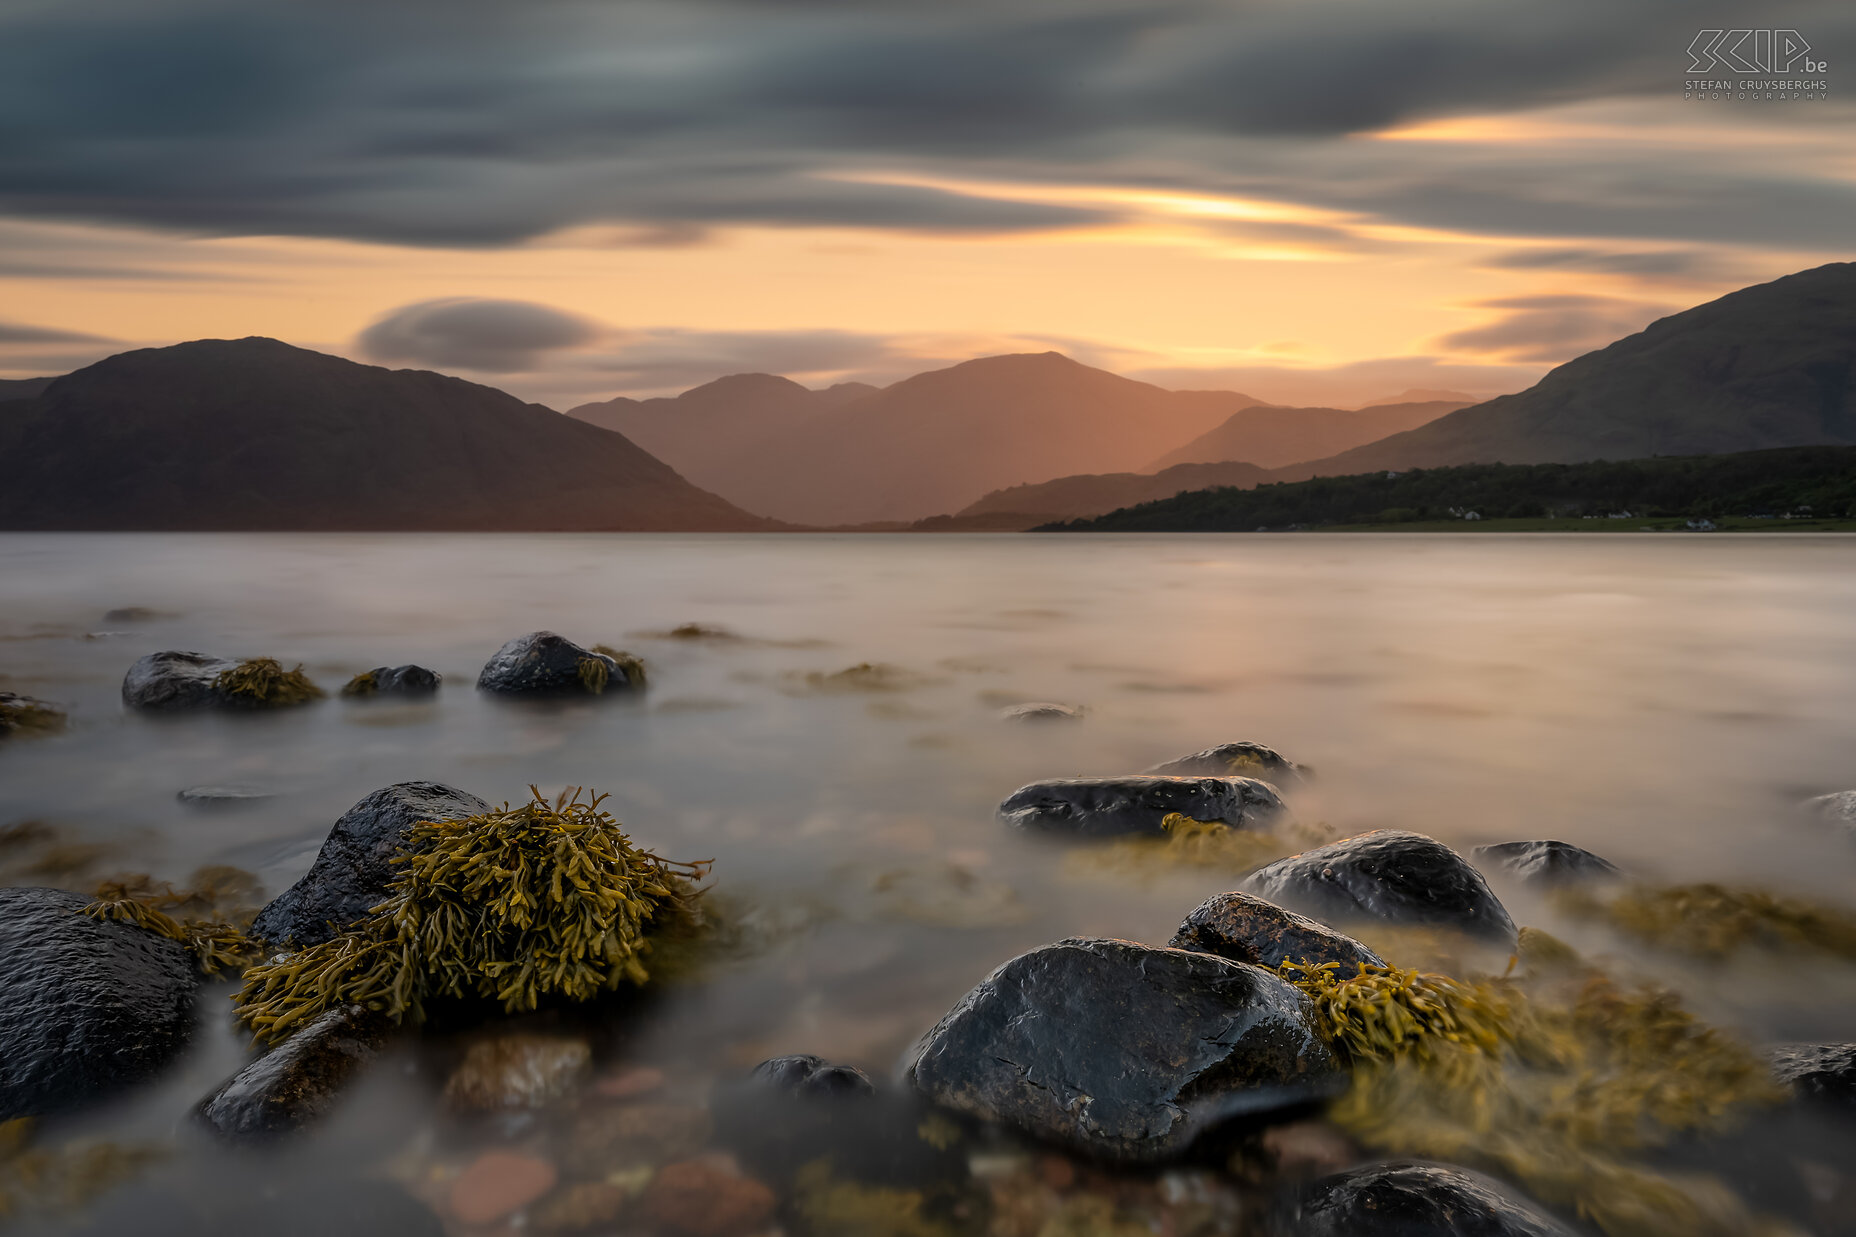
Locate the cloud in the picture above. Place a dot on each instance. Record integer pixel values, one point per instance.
(1689, 263)
(488, 336)
(18, 333)
(1552, 328)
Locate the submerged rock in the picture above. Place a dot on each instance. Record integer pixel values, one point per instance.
(232, 794)
(1838, 808)
(407, 680)
(353, 867)
(805, 1076)
(27, 715)
(1389, 875)
(1818, 1074)
(86, 1005)
(299, 1081)
(1109, 806)
(1248, 929)
(1041, 711)
(1410, 1200)
(706, 1198)
(1236, 760)
(125, 615)
(604, 1140)
(515, 1072)
(544, 664)
(1546, 862)
(1123, 1051)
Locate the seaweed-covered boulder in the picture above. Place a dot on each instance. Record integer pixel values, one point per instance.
(1408, 1199)
(544, 664)
(27, 715)
(1818, 1074)
(407, 680)
(86, 1005)
(297, 1082)
(1091, 807)
(1389, 875)
(1546, 862)
(175, 680)
(1243, 759)
(353, 867)
(1123, 1051)
(1248, 929)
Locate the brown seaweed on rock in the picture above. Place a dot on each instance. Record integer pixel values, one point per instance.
(209, 917)
(25, 715)
(262, 682)
(1713, 921)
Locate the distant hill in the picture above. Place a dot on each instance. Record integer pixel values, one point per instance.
(1272, 436)
(1067, 498)
(22, 388)
(1425, 395)
(256, 434)
(1772, 365)
(1771, 482)
(924, 446)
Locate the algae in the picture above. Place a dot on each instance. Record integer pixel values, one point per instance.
(630, 664)
(210, 915)
(38, 1180)
(865, 676)
(828, 1206)
(362, 684)
(1189, 843)
(24, 715)
(1714, 921)
(595, 674)
(549, 899)
(263, 682)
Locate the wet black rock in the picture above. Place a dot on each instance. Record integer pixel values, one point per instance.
(353, 867)
(544, 664)
(1410, 1200)
(1123, 1051)
(1838, 808)
(1391, 876)
(1108, 806)
(1546, 862)
(1236, 760)
(1248, 929)
(1041, 711)
(1818, 1074)
(407, 680)
(175, 680)
(804, 1075)
(298, 1081)
(86, 1005)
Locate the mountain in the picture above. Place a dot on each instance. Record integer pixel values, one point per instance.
(1069, 498)
(1424, 395)
(22, 388)
(714, 434)
(256, 434)
(1773, 365)
(1272, 436)
(938, 441)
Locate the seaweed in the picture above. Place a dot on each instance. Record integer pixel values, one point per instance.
(24, 715)
(517, 904)
(1193, 843)
(212, 913)
(865, 676)
(1714, 921)
(263, 682)
(630, 664)
(1552, 1077)
(45, 1180)
(362, 684)
(828, 1206)
(595, 674)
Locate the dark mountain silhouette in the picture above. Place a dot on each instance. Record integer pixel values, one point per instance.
(256, 434)
(22, 388)
(1069, 498)
(935, 442)
(1272, 437)
(1773, 365)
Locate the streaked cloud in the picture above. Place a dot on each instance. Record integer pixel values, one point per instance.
(474, 333)
(1552, 328)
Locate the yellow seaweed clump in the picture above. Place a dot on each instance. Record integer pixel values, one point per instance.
(543, 900)
(362, 684)
(1551, 1079)
(1713, 921)
(1188, 843)
(630, 664)
(208, 918)
(24, 715)
(263, 682)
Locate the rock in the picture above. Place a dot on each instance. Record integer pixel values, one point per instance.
(1838, 808)
(352, 869)
(578, 1208)
(611, 1139)
(407, 680)
(702, 1198)
(806, 1076)
(1818, 1074)
(630, 1083)
(231, 795)
(544, 664)
(1124, 1051)
(1388, 875)
(1248, 929)
(175, 680)
(1107, 806)
(499, 1183)
(1042, 711)
(1236, 760)
(87, 1006)
(131, 614)
(299, 1081)
(512, 1073)
(1410, 1200)
(1303, 1149)
(1546, 862)
(27, 715)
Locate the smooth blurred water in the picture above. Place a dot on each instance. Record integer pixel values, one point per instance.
(1664, 700)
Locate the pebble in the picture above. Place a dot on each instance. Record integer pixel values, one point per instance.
(707, 1198)
(498, 1183)
(630, 1083)
(517, 1072)
(609, 1138)
(590, 1205)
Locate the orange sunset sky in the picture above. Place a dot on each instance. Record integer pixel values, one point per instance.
(1310, 201)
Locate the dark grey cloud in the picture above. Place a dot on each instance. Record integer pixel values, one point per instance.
(19, 333)
(1692, 263)
(489, 336)
(1553, 329)
(483, 123)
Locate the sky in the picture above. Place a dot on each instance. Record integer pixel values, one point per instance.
(1312, 201)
